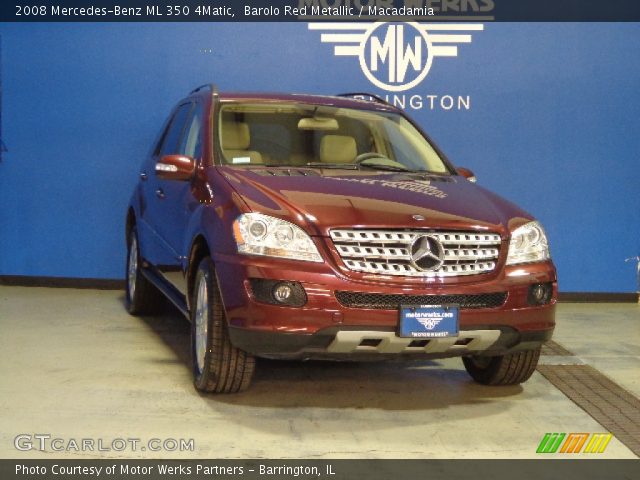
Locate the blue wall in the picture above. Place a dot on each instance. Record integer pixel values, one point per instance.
(554, 126)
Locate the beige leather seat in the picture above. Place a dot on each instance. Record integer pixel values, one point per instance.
(338, 149)
(236, 139)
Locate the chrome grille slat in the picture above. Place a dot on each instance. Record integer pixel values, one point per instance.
(372, 236)
(462, 238)
(388, 252)
(470, 254)
(349, 251)
(406, 238)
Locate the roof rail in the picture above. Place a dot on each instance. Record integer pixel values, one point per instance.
(364, 96)
(211, 86)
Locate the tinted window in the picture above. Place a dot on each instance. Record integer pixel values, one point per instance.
(192, 139)
(173, 136)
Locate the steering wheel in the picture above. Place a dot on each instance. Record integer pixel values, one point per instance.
(368, 155)
(383, 160)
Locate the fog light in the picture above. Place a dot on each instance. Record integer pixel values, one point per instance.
(282, 292)
(540, 293)
(278, 292)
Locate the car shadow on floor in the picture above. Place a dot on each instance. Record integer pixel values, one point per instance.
(388, 385)
(170, 326)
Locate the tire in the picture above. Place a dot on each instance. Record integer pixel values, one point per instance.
(218, 366)
(510, 369)
(142, 297)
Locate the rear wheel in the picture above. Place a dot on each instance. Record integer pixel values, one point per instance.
(218, 366)
(142, 297)
(510, 369)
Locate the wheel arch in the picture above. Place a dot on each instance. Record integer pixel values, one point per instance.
(199, 250)
(130, 223)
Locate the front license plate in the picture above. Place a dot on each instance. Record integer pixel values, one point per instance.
(428, 321)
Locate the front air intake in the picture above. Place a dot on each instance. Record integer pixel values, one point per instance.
(388, 301)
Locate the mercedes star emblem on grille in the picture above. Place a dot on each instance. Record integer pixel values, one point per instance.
(427, 253)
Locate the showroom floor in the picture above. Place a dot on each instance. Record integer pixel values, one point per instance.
(74, 364)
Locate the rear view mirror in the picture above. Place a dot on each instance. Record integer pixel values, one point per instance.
(318, 123)
(468, 174)
(175, 167)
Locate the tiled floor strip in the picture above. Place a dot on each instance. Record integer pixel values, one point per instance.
(617, 410)
(555, 349)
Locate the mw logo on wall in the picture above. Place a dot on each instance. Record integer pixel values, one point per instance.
(396, 57)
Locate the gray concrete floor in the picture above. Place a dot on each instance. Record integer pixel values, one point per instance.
(75, 365)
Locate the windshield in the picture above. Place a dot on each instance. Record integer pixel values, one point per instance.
(298, 135)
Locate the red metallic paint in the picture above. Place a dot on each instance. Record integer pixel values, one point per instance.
(328, 199)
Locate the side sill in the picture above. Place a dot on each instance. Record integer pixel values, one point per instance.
(168, 290)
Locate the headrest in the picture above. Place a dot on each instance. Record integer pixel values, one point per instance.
(338, 149)
(235, 136)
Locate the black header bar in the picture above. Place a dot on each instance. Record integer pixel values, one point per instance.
(320, 10)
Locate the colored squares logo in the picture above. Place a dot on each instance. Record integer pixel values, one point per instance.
(574, 443)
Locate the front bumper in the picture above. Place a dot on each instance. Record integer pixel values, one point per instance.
(336, 343)
(324, 328)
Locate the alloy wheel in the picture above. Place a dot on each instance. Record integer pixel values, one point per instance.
(201, 323)
(132, 271)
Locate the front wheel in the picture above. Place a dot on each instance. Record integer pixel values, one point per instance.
(218, 366)
(510, 369)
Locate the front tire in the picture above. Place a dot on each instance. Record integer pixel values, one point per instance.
(142, 297)
(510, 369)
(218, 366)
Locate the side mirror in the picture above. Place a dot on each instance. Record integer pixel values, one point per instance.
(175, 167)
(468, 174)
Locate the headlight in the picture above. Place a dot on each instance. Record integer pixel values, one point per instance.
(528, 244)
(258, 234)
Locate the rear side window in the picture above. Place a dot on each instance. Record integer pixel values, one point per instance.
(170, 144)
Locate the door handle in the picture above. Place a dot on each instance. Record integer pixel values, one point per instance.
(143, 176)
(160, 193)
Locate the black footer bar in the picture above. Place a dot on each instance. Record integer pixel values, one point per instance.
(326, 469)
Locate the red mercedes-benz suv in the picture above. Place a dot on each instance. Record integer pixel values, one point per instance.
(318, 227)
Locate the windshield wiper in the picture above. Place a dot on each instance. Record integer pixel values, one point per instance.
(341, 166)
(385, 167)
(398, 168)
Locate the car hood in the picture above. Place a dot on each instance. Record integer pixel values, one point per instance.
(318, 200)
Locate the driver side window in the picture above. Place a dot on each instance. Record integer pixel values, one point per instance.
(171, 140)
(191, 144)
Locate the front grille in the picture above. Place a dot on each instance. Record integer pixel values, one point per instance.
(387, 301)
(388, 252)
